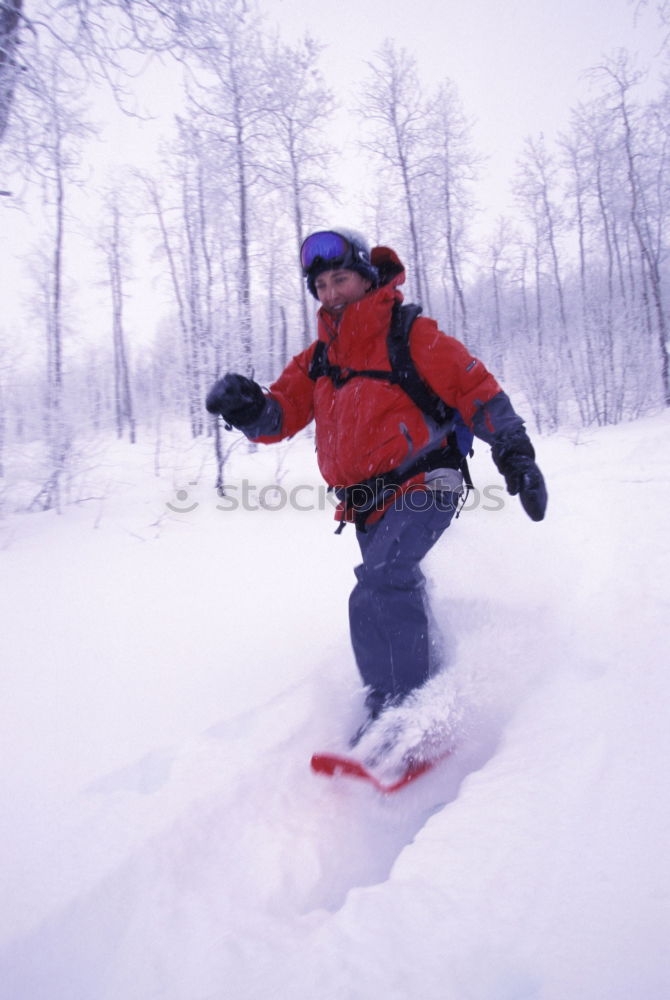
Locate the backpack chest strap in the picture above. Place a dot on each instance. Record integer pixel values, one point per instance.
(320, 365)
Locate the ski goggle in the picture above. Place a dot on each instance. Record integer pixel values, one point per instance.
(326, 247)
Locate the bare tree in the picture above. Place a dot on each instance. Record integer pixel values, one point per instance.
(300, 165)
(643, 183)
(450, 172)
(231, 104)
(499, 245)
(52, 142)
(10, 31)
(196, 265)
(170, 243)
(538, 195)
(100, 35)
(395, 130)
(116, 260)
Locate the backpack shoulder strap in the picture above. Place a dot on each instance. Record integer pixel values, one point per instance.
(405, 373)
(318, 365)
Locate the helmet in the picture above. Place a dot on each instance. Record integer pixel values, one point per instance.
(332, 248)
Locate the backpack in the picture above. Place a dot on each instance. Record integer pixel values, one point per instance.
(403, 373)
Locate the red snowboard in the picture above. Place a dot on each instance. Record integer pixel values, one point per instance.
(333, 765)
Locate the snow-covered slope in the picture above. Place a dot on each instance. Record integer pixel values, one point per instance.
(167, 674)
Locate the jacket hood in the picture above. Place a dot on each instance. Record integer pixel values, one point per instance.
(389, 266)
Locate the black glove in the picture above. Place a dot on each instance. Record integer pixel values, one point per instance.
(514, 456)
(238, 399)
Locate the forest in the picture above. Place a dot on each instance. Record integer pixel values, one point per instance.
(566, 301)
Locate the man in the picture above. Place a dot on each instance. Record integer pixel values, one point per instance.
(393, 452)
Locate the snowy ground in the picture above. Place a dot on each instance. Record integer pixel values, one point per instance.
(168, 673)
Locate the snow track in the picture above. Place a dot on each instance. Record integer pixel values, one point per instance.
(212, 835)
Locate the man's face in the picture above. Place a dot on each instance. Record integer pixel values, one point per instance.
(339, 288)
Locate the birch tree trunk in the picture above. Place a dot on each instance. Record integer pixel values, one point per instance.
(123, 400)
(394, 115)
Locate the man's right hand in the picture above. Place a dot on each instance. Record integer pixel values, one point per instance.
(239, 400)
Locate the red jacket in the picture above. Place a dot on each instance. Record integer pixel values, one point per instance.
(368, 427)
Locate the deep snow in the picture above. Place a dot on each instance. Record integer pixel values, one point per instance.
(168, 673)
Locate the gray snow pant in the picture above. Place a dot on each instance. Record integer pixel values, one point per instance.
(388, 608)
